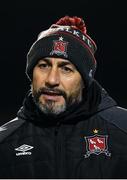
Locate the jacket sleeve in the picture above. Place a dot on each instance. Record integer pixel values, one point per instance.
(116, 115)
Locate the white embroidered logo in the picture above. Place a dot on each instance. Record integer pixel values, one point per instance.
(24, 150)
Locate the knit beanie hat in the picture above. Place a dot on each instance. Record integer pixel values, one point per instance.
(66, 39)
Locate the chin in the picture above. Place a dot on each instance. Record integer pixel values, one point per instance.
(52, 108)
(59, 102)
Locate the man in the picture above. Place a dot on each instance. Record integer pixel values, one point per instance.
(68, 126)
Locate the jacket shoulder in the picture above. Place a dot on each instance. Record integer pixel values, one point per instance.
(116, 115)
(9, 127)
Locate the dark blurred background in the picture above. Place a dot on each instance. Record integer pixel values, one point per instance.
(20, 23)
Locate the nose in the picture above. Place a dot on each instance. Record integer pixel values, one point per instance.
(53, 79)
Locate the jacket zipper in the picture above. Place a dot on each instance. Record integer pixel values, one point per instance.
(60, 154)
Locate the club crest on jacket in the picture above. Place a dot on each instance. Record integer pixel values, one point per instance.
(96, 144)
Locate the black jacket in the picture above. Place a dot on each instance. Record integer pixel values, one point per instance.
(88, 141)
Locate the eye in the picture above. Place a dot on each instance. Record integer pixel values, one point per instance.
(43, 65)
(66, 69)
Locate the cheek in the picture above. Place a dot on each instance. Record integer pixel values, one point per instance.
(72, 85)
(37, 82)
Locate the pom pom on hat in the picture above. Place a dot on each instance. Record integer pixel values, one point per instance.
(74, 22)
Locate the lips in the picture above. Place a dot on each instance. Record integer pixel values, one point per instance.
(51, 95)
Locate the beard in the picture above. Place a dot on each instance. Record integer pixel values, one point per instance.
(52, 107)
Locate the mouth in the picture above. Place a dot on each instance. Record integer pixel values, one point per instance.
(51, 95)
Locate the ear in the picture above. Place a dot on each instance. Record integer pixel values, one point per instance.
(31, 87)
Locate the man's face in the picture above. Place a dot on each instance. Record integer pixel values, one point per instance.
(56, 85)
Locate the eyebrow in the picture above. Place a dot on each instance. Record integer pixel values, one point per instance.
(61, 63)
